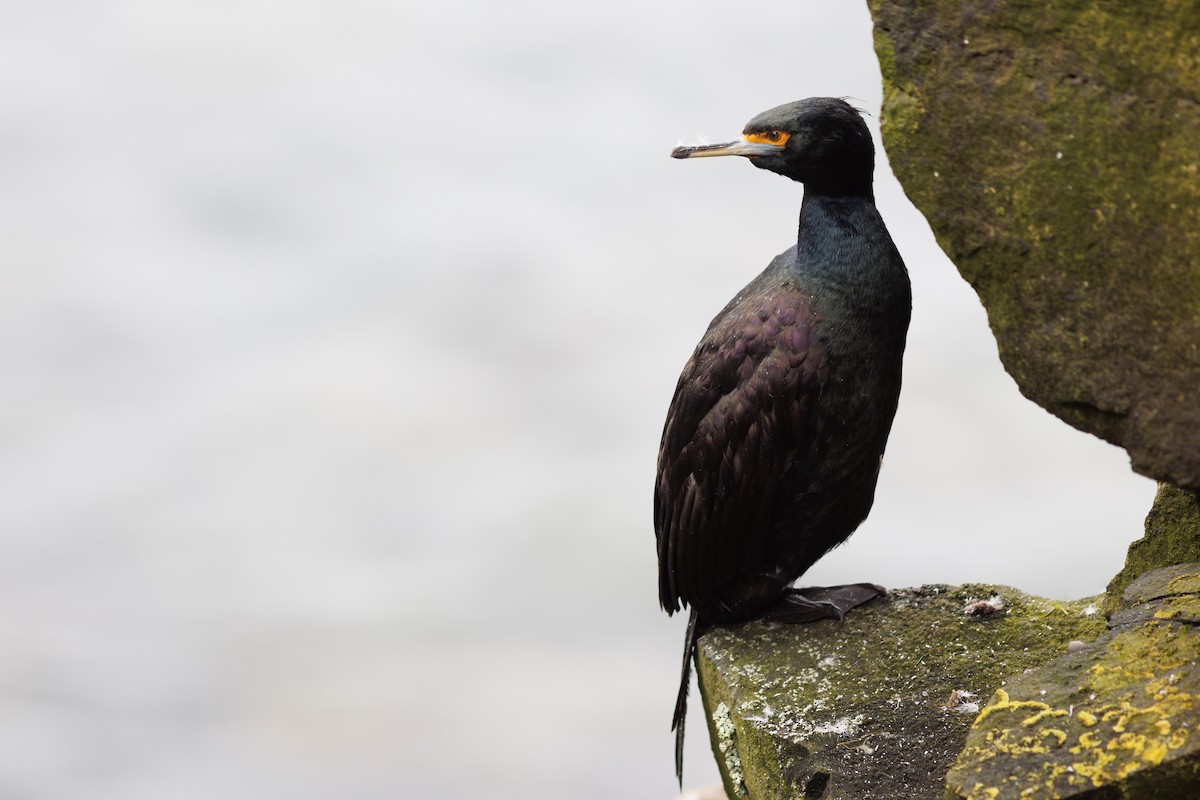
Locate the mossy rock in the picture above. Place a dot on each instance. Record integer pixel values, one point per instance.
(1172, 537)
(876, 707)
(1055, 151)
(1118, 719)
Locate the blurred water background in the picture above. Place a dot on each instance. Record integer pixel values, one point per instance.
(337, 340)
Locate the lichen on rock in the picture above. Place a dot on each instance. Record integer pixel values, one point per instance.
(878, 707)
(1117, 719)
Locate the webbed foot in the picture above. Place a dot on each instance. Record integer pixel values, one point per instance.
(811, 603)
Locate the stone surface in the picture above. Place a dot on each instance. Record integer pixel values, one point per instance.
(1055, 151)
(880, 706)
(1116, 720)
(1172, 537)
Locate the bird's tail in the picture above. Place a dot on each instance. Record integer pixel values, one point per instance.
(689, 651)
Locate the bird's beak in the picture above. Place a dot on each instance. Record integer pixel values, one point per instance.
(741, 147)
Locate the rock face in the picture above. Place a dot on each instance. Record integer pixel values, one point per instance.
(885, 707)
(1172, 537)
(1055, 151)
(1115, 719)
(876, 708)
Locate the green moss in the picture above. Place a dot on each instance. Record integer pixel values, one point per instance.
(1132, 712)
(1172, 537)
(902, 108)
(840, 712)
(1053, 149)
(848, 704)
(1120, 714)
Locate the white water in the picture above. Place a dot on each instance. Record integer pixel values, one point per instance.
(337, 339)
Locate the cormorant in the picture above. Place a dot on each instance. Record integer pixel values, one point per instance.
(773, 441)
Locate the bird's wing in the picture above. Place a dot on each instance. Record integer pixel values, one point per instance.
(733, 430)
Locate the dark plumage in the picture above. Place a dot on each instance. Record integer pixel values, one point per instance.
(772, 444)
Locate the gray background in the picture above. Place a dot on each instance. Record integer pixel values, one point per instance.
(337, 339)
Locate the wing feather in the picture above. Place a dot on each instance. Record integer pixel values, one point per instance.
(734, 427)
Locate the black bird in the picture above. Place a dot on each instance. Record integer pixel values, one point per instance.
(773, 441)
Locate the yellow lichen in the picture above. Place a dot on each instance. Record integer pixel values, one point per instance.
(1133, 742)
(1184, 584)
(1095, 767)
(1111, 741)
(981, 792)
(1061, 736)
(1177, 738)
(1002, 703)
(1043, 714)
(1154, 752)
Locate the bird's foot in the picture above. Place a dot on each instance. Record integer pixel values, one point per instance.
(811, 603)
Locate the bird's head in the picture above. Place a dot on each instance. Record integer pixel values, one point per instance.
(821, 142)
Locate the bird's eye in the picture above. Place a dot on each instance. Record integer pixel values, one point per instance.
(767, 137)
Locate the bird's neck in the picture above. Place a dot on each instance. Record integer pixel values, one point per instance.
(843, 179)
(838, 237)
(823, 214)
